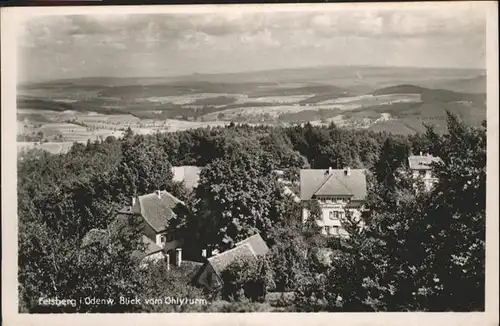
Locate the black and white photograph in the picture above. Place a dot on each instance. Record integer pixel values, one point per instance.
(225, 159)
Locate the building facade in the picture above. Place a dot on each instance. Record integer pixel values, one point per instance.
(421, 168)
(339, 193)
(157, 209)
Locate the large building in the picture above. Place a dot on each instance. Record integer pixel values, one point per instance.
(421, 167)
(338, 192)
(157, 210)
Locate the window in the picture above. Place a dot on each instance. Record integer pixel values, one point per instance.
(336, 215)
(335, 230)
(327, 229)
(422, 173)
(164, 238)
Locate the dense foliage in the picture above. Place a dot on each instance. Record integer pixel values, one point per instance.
(424, 254)
(419, 251)
(247, 278)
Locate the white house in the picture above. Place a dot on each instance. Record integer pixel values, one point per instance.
(420, 166)
(337, 192)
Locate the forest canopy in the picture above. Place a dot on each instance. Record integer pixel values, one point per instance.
(419, 252)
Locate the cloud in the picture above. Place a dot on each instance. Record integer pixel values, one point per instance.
(185, 42)
(398, 23)
(259, 28)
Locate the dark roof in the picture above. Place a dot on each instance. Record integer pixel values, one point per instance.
(187, 173)
(157, 209)
(333, 183)
(251, 247)
(422, 162)
(151, 248)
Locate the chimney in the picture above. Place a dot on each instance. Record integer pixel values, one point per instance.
(178, 257)
(330, 170)
(420, 153)
(347, 171)
(204, 253)
(131, 208)
(158, 193)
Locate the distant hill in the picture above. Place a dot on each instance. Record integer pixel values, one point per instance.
(205, 97)
(476, 85)
(400, 89)
(81, 106)
(42, 105)
(332, 73)
(432, 95)
(342, 76)
(314, 90)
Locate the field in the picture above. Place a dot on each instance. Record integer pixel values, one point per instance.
(396, 100)
(54, 148)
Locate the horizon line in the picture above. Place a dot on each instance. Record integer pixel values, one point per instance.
(253, 71)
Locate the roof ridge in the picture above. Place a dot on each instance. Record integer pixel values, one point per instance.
(323, 183)
(340, 182)
(230, 250)
(251, 249)
(163, 192)
(242, 241)
(345, 186)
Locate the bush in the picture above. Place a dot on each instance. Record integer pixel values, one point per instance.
(247, 278)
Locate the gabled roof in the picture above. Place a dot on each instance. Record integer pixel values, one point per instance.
(187, 173)
(222, 261)
(422, 162)
(257, 244)
(251, 247)
(333, 182)
(157, 209)
(333, 185)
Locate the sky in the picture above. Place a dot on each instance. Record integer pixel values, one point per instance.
(140, 45)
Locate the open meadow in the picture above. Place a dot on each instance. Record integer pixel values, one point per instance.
(396, 100)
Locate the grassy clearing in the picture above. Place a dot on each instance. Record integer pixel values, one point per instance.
(53, 148)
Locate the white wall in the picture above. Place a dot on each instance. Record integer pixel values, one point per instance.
(305, 215)
(428, 179)
(168, 245)
(326, 221)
